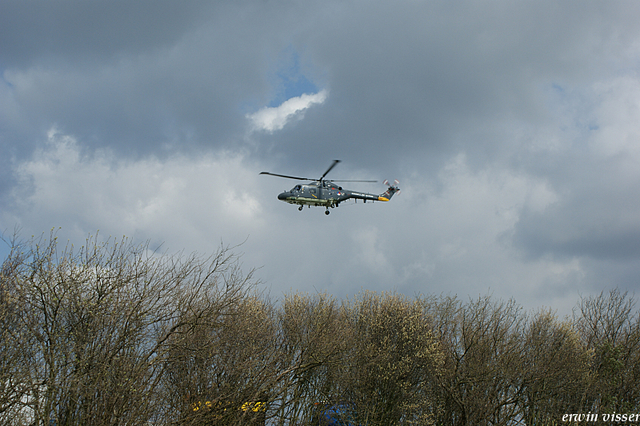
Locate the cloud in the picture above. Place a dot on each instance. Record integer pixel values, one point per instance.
(170, 200)
(32, 32)
(426, 240)
(512, 128)
(596, 176)
(271, 119)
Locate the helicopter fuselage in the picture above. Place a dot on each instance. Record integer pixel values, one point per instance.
(325, 194)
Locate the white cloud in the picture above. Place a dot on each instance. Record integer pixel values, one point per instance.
(151, 199)
(370, 254)
(618, 115)
(422, 241)
(275, 118)
(456, 238)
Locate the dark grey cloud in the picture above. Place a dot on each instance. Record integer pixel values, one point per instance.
(141, 78)
(148, 75)
(595, 216)
(435, 78)
(35, 32)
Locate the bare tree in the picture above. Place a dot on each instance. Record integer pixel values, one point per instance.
(222, 371)
(609, 326)
(15, 347)
(555, 370)
(392, 363)
(313, 336)
(481, 342)
(99, 320)
(112, 333)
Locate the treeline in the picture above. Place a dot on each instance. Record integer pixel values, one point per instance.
(115, 334)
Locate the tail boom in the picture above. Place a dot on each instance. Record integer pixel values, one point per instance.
(385, 196)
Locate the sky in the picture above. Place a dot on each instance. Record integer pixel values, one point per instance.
(513, 128)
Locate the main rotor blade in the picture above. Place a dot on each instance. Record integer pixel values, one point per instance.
(285, 176)
(329, 169)
(349, 180)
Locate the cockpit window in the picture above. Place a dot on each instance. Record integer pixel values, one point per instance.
(297, 188)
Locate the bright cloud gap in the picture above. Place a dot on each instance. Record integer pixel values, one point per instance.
(271, 119)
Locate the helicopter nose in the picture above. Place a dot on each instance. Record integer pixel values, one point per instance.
(283, 196)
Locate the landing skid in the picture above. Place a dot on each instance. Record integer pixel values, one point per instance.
(327, 212)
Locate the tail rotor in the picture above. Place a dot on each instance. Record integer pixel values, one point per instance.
(392, 189)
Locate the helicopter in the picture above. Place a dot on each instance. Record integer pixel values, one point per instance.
(325, 193)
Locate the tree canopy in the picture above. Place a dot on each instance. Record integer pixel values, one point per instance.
(113, 333)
